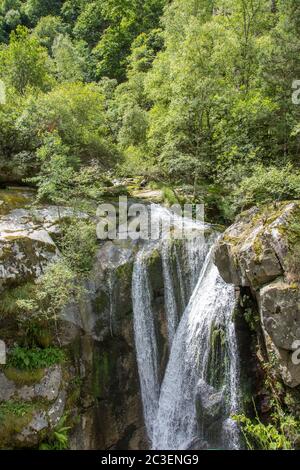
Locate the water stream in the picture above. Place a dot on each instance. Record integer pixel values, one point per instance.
(193, 404)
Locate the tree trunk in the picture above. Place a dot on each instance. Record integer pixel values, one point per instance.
(274, 6)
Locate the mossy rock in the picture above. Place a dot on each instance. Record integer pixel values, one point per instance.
(218, 360)
(23, 377)
(155, 270)
(14, 417)
(102, 367)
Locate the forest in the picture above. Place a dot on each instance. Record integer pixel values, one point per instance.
(197, 95)
(195, 100)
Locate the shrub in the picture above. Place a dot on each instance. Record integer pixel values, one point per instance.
(59, 440)
(267, 185)
(79, 245)
(35, 358)
(268, 437)
(10, 298)
(53, 291)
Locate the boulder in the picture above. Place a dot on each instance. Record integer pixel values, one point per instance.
(47, 389)
(25, 248)
(210, 411)
(280, 313)
(261, 250)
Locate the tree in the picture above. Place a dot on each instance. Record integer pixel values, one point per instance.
(57, 171)
(90, 24)
(24, 63)
(68, 63)
(47, 29)
(75, 111)
(126, 20)
(35, 9)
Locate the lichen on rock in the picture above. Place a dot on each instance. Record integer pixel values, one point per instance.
(261, 250)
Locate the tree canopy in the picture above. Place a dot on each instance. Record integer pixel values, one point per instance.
(195, 93)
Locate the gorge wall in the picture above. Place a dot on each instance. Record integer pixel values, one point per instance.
(97, 388)
(260, 252)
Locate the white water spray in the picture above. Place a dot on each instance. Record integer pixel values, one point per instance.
(170, 409)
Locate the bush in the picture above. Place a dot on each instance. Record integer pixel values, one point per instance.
(59, 439)
(268, 437)
(79, 245)
(267, 185)
(36, 358)
(11, 297)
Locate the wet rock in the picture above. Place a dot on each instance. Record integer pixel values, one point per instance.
(197, 444)
(50, 385)
(29, 436)
(210, 410)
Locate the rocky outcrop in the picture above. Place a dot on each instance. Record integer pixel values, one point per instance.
(210, 410)
(98, 388)
(32, 411)
(101, 389)
(262, 251)
(26, 243)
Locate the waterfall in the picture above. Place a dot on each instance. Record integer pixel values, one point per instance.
(145, 340)
(171, 306)
(201, 376)
(177, 424)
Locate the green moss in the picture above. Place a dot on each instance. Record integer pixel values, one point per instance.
(101, 302)
(101, 373)
(154, 263)
(14, 416)
(217, 361)
(218, 336)
(124, 272)
(258, 248)
(252, 319)
(15, 198)
(24, 377)
(74, 392)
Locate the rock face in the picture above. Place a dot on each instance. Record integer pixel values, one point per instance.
(210, 409)
(98, 387)
(101, 386)
(43, 406)
(262, 251)
(26, 243)
(108, 354)
(47, 389)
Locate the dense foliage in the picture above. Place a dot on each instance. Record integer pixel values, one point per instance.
(201, 97)
(193, 93)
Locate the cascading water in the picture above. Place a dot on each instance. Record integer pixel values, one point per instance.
(171, 306)
(145, 340)
(203, 348)
(210, 309)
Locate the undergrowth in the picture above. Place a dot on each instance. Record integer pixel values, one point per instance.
(35, 358)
